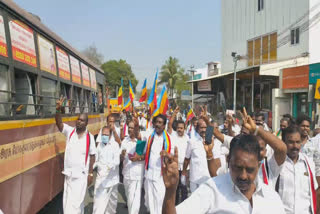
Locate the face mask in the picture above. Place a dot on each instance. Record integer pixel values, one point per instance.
(105, 139)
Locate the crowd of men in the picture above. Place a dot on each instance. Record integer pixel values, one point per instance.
(237, 167)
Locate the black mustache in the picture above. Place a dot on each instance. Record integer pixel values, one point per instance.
(294, 150)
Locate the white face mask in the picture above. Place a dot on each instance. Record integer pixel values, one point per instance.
(105, 139)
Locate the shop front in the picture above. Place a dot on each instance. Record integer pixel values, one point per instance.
(295, 81)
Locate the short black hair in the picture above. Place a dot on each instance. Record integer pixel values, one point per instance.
(163, 117)
(303, 117)
(247, 143)
(290, 130)
(179, 122)
(86, 117)
(260, 115)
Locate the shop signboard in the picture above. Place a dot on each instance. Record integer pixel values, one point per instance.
(204, 85)
(295, 78)
(314, 73)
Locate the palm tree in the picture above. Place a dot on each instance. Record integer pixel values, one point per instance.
(170, 72)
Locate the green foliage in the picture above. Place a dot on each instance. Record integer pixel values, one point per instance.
(181, 83)
(113, 71)
(170, 72)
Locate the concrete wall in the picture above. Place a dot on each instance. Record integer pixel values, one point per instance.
(241, 21)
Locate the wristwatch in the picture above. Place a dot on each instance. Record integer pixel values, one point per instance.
(91, 174)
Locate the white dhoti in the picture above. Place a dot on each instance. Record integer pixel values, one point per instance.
(73, 194)
(154, 195)
(105, 198)
(133, 193)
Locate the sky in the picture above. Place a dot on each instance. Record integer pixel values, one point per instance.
(142, 32)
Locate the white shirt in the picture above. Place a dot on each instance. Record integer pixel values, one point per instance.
(112, 136)
(220, 195)
(273, 171)
(199, 171)
(312, 150)
(75, 153)
(154, 171)
(131, 170)
(182, 144)
(107, 162)
(294, 185)
(142, 122)
(191, 131)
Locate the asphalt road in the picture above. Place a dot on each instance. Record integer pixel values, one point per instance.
(55, 207)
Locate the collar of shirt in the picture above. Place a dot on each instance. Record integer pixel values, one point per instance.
(128, 139)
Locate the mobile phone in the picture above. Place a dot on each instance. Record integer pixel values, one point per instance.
(209, 133)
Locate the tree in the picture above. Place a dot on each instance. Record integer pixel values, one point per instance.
(92, 53)
(181, 83)
(170, 72)
(113, 71)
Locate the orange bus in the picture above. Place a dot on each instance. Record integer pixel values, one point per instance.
(36, 68)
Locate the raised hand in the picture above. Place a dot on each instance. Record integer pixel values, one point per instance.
(170, 170)
(59, 102)
(208, 147)
(176, 111)
(248, 122)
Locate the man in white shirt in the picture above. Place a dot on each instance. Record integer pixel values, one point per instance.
(114, 130)
(270, 165)
(197, 158)
(133, 169)
(297, 183)
(107, 164)
(78, 166)
(239, 191)
(181, 140)
(310, 146)
(157, 140)
(142, 122)
(260, 121)
(191, 129)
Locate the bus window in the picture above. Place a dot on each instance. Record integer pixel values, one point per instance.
(77, 99)
(94, 102)
(100, 98)
(65, 91)
(48, 91)
(86, 100)
(4, 91)
(25, 93)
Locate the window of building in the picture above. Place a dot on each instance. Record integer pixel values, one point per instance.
(25, 97)
(262, 49)
(48, 91)
(65, 91)
(4, 91)
(295, 36)
(260, 5)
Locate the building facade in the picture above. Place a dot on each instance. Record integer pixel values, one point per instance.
(273, 38)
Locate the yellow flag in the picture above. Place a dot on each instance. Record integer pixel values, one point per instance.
(317, 93)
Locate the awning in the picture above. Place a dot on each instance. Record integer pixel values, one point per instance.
(211, 77)
(273, 69)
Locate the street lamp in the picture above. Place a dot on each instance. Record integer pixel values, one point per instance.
(236, 58)
(192, 74)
